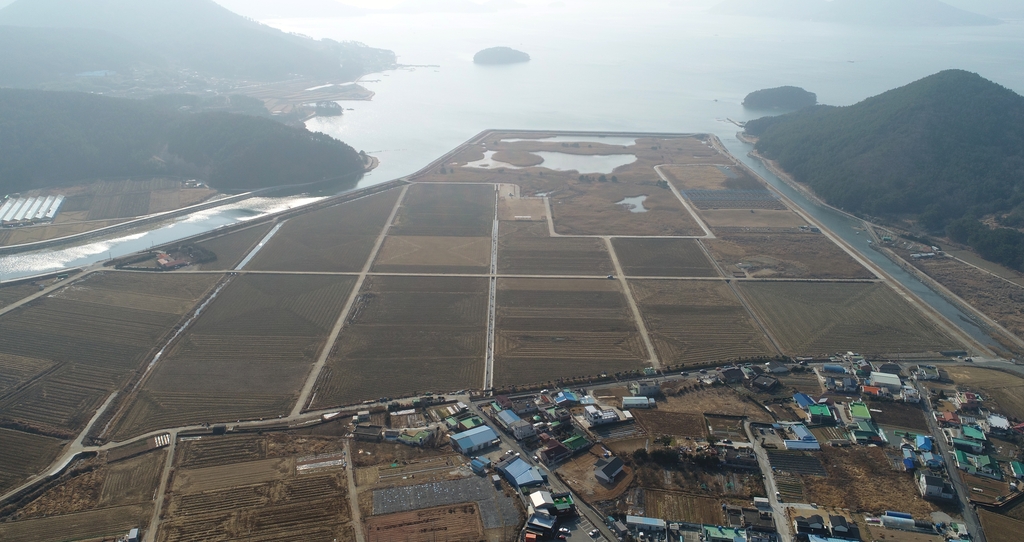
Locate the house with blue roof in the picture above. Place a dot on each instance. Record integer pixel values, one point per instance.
(923, 443)
(507, 418)
(804, 400)
(474, 440)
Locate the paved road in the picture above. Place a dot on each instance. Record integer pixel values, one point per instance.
(353, 502)
(707, 232)
(586, 512)
(778, 508)
(962, 491)
(165, 477)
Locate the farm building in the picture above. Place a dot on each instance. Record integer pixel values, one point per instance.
(606, 469)
(637, 402)
(934, 487)
(775, 367)
(833, 369)
(809, 525)
(599, 417)
(644, 388)
(820, 415)
(554, 452)
(764, 383)
(519, 473)
(731, 375)
(966, 400)
(474, 440)
(368, 433)
(803, 400)
(506, 418)
(1017, 469)
(875, 391)
(715, 533)
(645, 525)
(566, 398)
(421, 438)
(888, 381)
(480, 464)
(841, 384)
(859, 411)
(967, 445)
(842, 528)
(541, 523)
(802, 439)
(889, 368)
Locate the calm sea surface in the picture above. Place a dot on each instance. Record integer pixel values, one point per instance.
(631, 68)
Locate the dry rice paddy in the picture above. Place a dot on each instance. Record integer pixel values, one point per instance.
(524, 248)
(663, 258)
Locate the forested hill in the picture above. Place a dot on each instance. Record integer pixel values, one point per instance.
(202, 36)
(62, 138)
(942, 149)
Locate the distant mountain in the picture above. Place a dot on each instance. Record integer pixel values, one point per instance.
(280, 9)
(500, 55)
(202, 36)
(784, 98)
(859, 12)
(61, 138)
(943, 151)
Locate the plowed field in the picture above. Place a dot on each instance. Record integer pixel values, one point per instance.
(698, 321)
(663, 258)
(245, 357)
(421, 254)
(406, 335)
(555, 328)
(231, 248)
(818, 318)
(338, 238)
(71, 349)
(790, 255)
(524, 248)
(437, 210)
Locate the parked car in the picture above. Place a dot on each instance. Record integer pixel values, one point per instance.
(593, 533)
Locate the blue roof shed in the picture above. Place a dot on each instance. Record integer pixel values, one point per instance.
(507, 417)
(803, 400)
(924, 443)
(474, 439)
(520, 473)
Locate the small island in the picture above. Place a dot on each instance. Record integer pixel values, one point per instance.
(786, 98)
(500, 55)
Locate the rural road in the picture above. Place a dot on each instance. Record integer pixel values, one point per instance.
(314, 373)
(962, 491)
(707, 232)
(165, 476)
(357, 519)
(652, 355)
(778, 508)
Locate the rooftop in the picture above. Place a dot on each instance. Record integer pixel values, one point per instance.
(474, 437)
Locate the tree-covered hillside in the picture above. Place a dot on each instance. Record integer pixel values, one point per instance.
(62, 138)
(202, 36)
(787, 98)
(942, 149)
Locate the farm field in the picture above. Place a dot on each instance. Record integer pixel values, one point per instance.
(996, 297)
(861, 479)
(453, 522)
(524, 248)
(72, 348)
(715, 401)
(1005, 389)
(819, 318)
(674, 506)
(710, 177)
(676, 424)
(338, 238)
(16, 292)
(88, 490)
(127, 198)
(578, 474)
(722, 220)
(437, 210)
(24, 454)
(785, 255)
(554, 328)
(698, 321)
(422, 254)
(406, 335)
(245, 357)
(231, 248)
(106, 523)
(902, 415)
(663, 258)
(999, 528)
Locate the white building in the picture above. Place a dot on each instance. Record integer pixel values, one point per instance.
(599, 417)
(637, 402)
(522, 429)
(645, 388)
(910, 395)
(888, 381)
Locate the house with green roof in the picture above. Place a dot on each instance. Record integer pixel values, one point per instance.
(1017, 468)
(971, 432)
(715, 533)
(981, 465)
(859, 411)
(820, 415)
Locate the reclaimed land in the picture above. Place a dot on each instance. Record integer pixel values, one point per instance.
(663, 258)
(817, 318)
(24, 454)
(785, 255)
(245, 357)
(549, 329)
(231, 248)
(338, 238)
(525, 248)
(446, 210)
(408, 335)
(86, 340)
(431, 255)
(583, 204)
(698, 321)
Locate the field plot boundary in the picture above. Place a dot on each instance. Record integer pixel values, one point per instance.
(325, 352)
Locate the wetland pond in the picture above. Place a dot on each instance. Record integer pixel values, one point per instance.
(560, 161)
(635, 204)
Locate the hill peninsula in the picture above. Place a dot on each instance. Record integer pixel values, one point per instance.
(786, 98)
(938, 154)
(500, 55)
